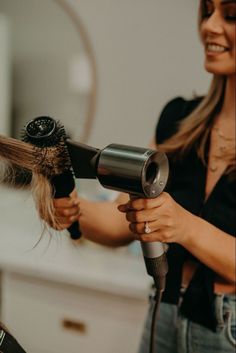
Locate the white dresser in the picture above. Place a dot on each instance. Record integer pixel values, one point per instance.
(64, 298)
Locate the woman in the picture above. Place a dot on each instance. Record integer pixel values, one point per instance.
(195, 215)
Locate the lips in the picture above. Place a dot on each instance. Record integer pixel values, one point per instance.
(215, 48)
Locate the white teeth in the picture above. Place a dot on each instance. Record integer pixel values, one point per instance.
(215, 48)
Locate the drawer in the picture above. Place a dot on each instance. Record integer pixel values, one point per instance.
(50, 317)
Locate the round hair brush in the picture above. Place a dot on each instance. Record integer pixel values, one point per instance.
(52, 158)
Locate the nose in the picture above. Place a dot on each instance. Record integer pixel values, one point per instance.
(213, 24)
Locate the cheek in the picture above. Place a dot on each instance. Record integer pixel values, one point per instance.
(232, 37)
(232, 40)
(202, 31)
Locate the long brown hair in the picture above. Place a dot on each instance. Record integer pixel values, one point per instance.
(195, 129)
(16, 154)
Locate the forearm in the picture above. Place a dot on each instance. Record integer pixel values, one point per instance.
(171, 223)
(211, 246)
(102, 223)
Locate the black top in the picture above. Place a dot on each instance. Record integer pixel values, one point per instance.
(187, 187)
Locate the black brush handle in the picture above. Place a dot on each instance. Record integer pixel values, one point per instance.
(64, 184)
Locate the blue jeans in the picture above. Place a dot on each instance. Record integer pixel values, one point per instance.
(176, 334)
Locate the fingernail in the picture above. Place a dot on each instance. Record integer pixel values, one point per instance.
(121, 207)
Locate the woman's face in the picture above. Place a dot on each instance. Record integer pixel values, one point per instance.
(217, 30)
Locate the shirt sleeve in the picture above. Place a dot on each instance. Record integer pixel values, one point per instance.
(167, 124)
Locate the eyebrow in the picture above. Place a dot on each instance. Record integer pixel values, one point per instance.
(223, 2)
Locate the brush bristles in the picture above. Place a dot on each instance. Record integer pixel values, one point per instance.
(51, 161)
(41, 140)
(50, 151)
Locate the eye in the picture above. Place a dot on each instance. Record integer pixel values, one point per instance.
(207, 9)
(230, 12)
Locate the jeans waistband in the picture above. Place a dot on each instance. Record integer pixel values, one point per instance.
(225, 306)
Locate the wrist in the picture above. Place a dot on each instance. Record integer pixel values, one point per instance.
(189, 230)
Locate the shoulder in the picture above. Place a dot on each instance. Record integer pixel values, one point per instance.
(173, 112)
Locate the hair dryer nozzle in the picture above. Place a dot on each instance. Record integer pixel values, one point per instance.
(83, 159)
(135, 170)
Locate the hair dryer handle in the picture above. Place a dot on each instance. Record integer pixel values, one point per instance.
(154, 254)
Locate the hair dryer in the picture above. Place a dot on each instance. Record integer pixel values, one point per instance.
(138, 171)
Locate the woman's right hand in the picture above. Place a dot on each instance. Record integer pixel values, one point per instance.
(66, 210)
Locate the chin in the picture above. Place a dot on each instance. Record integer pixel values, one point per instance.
(218, 69)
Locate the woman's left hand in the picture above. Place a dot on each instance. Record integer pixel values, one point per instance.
(167, 220)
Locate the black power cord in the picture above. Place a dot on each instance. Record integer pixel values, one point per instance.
(156, 267)
(157, 298)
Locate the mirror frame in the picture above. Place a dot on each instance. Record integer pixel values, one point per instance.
(78, 23)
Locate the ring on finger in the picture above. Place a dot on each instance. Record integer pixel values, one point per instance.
(147, 229)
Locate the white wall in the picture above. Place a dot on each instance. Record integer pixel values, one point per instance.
(5, 76)
(147, 51)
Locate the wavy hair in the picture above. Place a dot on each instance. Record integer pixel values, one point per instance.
(17, 155)
(195, 129)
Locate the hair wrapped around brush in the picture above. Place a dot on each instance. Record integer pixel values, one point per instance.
(17, 154)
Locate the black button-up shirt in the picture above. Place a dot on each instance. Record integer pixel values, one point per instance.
(187, 186)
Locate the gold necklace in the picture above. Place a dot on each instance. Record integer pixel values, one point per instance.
(221, 135)
(225, 144)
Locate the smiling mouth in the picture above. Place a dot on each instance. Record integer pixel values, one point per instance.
(215, 48)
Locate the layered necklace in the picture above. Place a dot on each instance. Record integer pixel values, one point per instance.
(224, 145)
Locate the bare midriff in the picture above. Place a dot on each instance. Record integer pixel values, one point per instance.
(221, 286)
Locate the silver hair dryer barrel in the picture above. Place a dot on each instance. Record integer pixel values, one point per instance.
(135, 170)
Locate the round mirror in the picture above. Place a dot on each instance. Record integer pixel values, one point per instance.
(48, 64)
